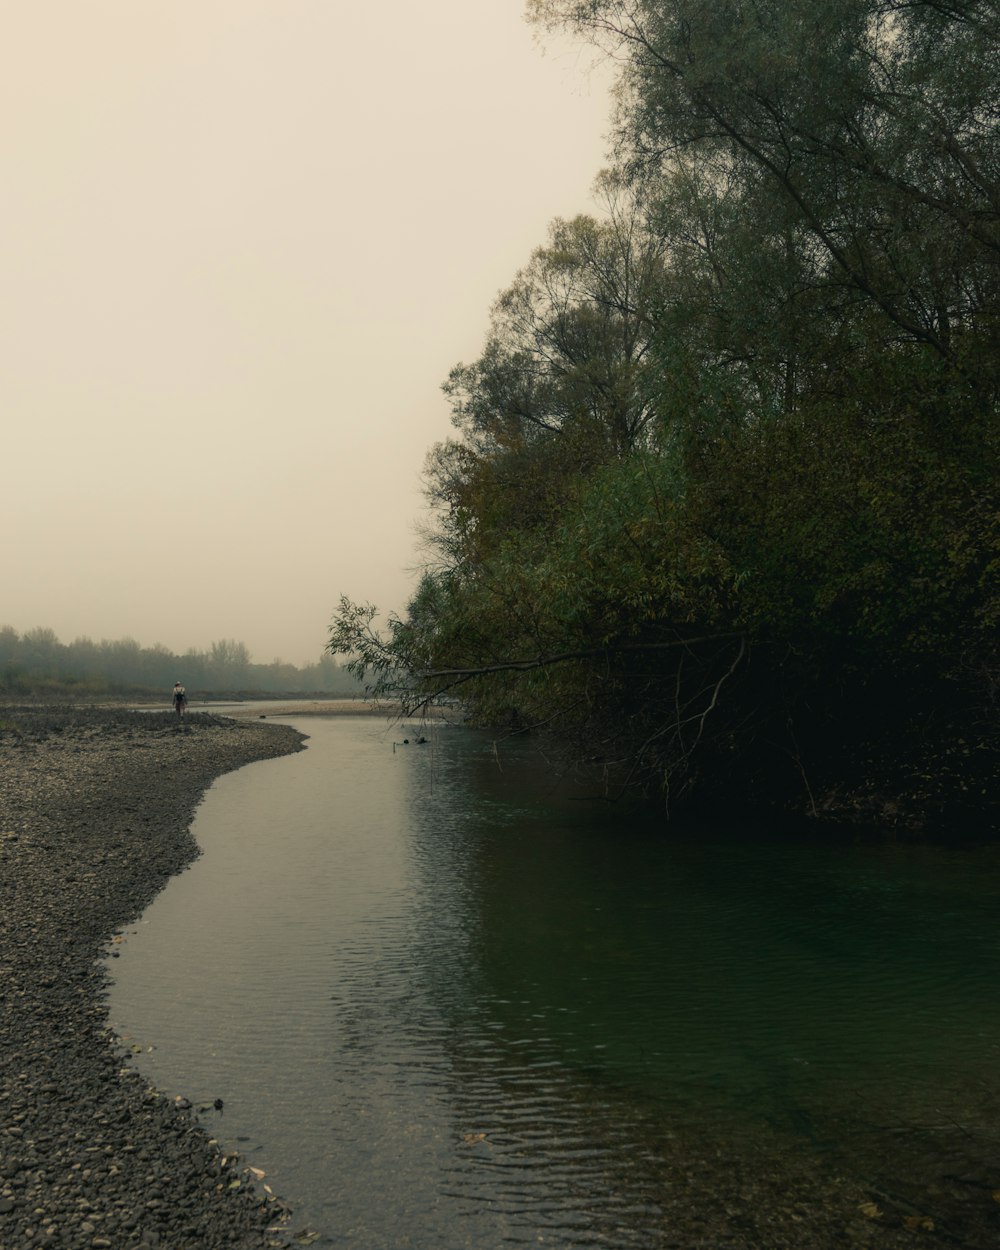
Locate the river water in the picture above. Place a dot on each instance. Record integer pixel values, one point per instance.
(450, 1003)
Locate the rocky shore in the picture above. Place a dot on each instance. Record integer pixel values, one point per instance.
(95, 810)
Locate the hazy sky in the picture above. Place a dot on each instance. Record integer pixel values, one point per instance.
(242, 242)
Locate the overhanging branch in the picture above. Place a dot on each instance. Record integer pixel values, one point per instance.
(588, 653)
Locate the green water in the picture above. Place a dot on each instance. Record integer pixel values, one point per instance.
(449, 1002)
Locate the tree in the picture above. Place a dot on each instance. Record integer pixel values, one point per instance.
(874, 121)
(742, 530)
(837, 388)
(557, 389)
(229, 663)
(40, 652)
(9, 644)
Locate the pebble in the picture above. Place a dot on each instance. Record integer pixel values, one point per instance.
(95, 814)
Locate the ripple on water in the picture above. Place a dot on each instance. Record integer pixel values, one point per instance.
(446, 1007)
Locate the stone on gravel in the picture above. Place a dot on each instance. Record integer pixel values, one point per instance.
(95, 813)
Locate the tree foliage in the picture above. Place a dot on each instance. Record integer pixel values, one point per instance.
(722, 506)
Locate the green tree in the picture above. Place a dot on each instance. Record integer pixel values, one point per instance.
(558, 389)
(875, 121)
(740, 526)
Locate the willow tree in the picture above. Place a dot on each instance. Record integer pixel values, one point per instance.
(874, 120)
(722, 504)
(565, 587)
(841, 416)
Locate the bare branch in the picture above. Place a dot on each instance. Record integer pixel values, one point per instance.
(588, 653)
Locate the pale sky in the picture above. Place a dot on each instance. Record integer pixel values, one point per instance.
(242, 243)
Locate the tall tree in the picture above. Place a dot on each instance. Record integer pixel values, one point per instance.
(732, 515)
(874, 122)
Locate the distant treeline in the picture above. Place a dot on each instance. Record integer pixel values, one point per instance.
(36, 662)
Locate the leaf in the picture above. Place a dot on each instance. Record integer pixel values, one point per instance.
(918, 1223)
(257, 1173)
(872, 1210)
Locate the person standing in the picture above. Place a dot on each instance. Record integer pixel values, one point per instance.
(180, 699)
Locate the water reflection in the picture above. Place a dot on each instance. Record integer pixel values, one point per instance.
(450, 1003)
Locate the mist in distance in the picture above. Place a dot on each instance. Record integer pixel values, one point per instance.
(241, 246)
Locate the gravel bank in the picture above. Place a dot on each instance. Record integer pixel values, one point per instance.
(95, 809)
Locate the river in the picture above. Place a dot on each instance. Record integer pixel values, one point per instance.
(448, 1002)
